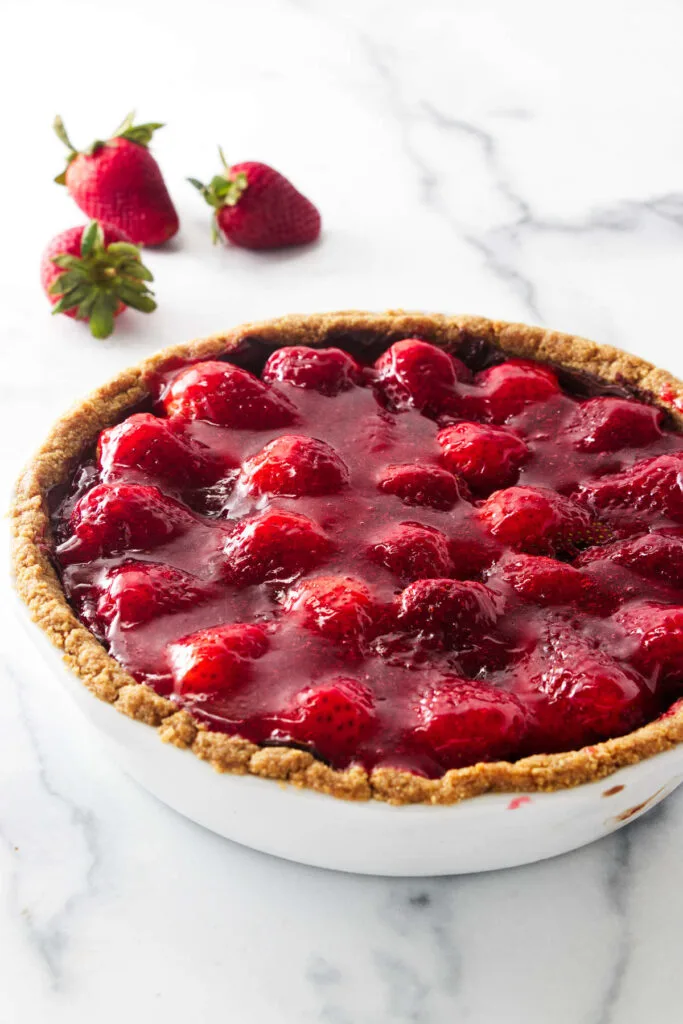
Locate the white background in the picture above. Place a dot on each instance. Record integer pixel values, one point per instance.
(520, 160)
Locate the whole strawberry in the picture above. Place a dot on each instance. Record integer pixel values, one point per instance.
(118, 181)
(256, 207)
(92, 273)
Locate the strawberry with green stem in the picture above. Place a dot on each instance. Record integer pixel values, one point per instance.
(256, 207)
(92, 273)
(117, 181)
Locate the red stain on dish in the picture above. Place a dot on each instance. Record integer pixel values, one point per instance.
(518, 802)
(671, 397)
(423, 601)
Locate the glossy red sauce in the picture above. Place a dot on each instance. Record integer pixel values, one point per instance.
(551, 633)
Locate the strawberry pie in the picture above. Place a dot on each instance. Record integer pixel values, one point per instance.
(398, 556)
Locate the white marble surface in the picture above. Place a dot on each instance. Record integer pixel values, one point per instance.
(518, 160)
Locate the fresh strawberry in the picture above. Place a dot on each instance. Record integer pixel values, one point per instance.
(92, 273)
(113, 518)
(274, 547)
(327, 370)
(415, 374)
(293, 466)
(485, 457)
(462, 722)
(423, 485)
(606, 424)
(333, 718)
(413, 552)
(138, 592)
(336, 607)
(228, 396)
(157, 448)
(118, 181)
(256, 207)
(537, 520)
(212, 662)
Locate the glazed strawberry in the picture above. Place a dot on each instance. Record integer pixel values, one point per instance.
(656, 556)
(606, 424)
(158, 448)
(137, 592)
(421, 485)
(228, 396)
(415, 374)
(537, 520)
(545, 581)
(327, 370)
(92, 273)
(576, 695)
(256, 207)
(462, 722)
(338, 607)
(274, 547)
(653, 488)
(118, 182)
(457, 608)
(333, 718)
(413, 552)
(485, 457)
(657, 632)
(215, 661)
(508, 388)
(113, 518)
(292, 466)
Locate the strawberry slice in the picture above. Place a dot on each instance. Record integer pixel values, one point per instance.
(158, 448)
(276, 546)
(413, 552)
(606, 424)
(228, 396)
(138, 592)
(293, 466)
(538, 520)
(337, 607)
(485, 457)
(326, 370)
(332, 718)
(461, 722)
(213, 662)
(422, 485)
(114, 518)
(414, 374)
(507, 389)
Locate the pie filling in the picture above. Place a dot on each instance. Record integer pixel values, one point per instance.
(414, 564)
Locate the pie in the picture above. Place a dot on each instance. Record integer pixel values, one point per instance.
(399, 556)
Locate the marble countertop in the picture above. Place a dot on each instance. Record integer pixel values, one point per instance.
(516, 160)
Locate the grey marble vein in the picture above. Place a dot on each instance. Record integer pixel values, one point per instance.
(48, 933)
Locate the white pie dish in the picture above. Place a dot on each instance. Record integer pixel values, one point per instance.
(495, 830)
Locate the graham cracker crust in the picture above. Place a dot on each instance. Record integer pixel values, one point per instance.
(38, 584)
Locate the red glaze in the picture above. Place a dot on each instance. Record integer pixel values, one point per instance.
(320, 558)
